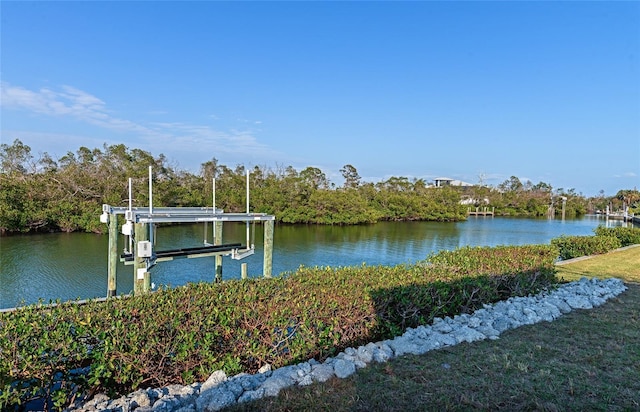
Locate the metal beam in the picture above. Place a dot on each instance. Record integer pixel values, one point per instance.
(183, 215)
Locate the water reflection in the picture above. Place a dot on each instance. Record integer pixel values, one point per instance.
(69, 266)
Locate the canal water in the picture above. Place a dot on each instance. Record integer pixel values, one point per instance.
(69, 266)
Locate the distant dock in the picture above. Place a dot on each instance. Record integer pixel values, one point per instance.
(624, 216)
(481, 211)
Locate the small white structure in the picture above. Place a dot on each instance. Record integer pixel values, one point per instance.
(445, 181)
(467, 200)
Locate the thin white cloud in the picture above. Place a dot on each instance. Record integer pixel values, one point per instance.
(50, 142)
(82, 100)
(18, 97)
(68, 101)
(625, 175)
(205, 138)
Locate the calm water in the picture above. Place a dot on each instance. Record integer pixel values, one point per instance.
(69, 266)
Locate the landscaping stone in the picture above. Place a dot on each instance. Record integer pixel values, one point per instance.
(220, 391)
(344, 368)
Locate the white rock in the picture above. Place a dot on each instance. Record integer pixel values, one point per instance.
(265, 368)
(579, 302)
(249, 382)
(275, 383)
(214, 380)
(343, 368)
(466, 334)
(559, 303)
(165, 404)
(188, 408)
(234, 387)
(214, 399)
(251, 396)
(140, 399)
(364, 354)
(322, 372)
(305, 380)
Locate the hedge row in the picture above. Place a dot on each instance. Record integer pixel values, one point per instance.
(605, 240)
(626, 235)
(575, 246)
(181, 335)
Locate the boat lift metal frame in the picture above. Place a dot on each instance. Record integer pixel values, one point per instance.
(141, 252)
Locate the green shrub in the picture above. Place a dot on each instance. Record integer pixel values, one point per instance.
(570, 247)
(38, 347)
(181, 335)
(626, 235)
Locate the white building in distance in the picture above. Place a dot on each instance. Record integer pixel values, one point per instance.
(445, 181)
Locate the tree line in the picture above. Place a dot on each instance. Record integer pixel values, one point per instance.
(66, 194)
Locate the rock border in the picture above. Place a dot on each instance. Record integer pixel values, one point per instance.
(220, 391)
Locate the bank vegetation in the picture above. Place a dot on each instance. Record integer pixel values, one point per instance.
(56, 354)
(40, 193)
(65, 352)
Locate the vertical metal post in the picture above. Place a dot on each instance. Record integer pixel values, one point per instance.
(141, 278)
(247, 224)
(130, 207)
(112, 265)
(268, 248)
(150, 190)
(247, 191)
(217, 240)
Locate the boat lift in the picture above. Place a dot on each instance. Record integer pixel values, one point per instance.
(139, 228)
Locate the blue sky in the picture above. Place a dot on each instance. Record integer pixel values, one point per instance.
(545, 91)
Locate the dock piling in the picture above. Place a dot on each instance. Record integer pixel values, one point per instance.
(141, 276)
(112, 264)
(217, 240)
(268, 248)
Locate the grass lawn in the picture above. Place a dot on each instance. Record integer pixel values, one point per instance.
(623, 264)
(586, 360)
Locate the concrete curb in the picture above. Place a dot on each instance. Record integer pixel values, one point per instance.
(578, 259)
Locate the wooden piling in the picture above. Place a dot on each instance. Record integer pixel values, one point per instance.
(268, 248)
(217, 240)
(113, 256)
(141, 278)
(243, 271)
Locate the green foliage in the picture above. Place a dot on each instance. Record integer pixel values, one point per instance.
(41, 350)
(570, 247)
(514, 198)
(461, 281)
(67, 194)
(626, 235)
(605, 240)
(181, 335)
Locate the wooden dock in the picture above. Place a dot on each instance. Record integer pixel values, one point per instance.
(624, 216)
(481, 211)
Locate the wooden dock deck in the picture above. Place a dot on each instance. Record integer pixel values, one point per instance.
(481, 211)
(625, 217)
